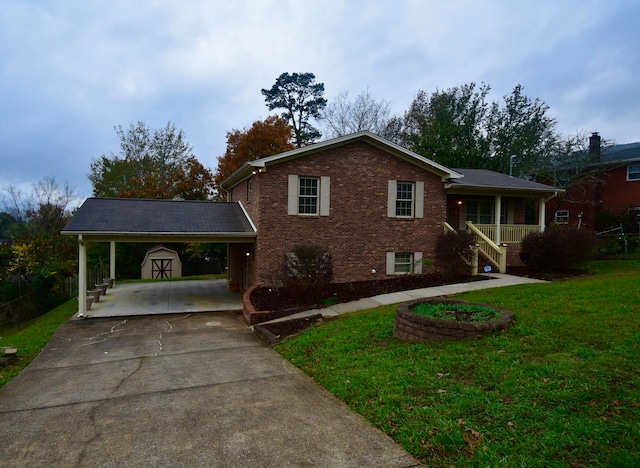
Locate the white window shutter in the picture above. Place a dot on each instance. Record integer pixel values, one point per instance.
(417, 263)
(325, 184)
(391, 263)
(419, 200)
(292, 208)
(391, 199)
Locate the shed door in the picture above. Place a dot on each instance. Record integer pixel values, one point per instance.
(161, 268)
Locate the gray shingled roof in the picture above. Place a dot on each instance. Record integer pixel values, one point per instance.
(485, 179)
(135, 216)
(620, 153)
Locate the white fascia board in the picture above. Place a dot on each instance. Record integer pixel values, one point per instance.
(253, 226)
(247, 168)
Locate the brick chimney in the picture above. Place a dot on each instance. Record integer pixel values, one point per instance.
(594, 147)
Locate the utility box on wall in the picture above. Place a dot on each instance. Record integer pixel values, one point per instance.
(161, 262)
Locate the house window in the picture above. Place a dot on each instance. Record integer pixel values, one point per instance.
(404, 199)
(562, 217)
(633, 172)
(480, 211)
(249, 189)
(403, 263)
(308, 195)
(506, 211)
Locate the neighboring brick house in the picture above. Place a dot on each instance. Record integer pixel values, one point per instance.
(376, 207)
(614, 191)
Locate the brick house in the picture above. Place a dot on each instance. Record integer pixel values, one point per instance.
(615, 191)
(376, 207)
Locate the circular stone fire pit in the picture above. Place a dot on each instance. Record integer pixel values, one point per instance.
(409, 326)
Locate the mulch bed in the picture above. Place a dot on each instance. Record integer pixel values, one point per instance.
(266, 298)
(276, 331)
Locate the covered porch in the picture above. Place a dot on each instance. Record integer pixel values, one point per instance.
(499, 210)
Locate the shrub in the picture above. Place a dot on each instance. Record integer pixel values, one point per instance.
(607, 220)
(453, 255)
(308, 271)
(557, 249)
(617, 246)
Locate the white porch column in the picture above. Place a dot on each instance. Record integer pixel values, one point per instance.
(112, 260)
(542, 215)
(497, 211)
(82, 277)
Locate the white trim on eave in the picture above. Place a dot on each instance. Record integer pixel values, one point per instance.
(246, 170)
(253, 226)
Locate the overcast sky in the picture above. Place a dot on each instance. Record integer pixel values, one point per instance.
(72, 70)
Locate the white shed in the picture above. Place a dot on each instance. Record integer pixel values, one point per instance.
(161, 262)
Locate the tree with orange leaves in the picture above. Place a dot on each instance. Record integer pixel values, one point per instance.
(265, 138)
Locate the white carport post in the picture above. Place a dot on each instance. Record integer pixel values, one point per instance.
(542, 215)
(82, 277)
(112, 260)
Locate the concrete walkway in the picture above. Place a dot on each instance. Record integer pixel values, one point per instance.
(496, 280)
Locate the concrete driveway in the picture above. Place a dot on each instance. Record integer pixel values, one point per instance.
(177, 390)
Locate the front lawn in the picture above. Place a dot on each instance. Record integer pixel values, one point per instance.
(31, 337)
(560, 388)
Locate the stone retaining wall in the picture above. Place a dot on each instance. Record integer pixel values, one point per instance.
(409, 326)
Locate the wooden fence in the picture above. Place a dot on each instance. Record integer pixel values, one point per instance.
(18, 310)
(28, 306)
(94, 276)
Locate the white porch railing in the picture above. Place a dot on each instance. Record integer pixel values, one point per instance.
(509, 233)
(495, 254)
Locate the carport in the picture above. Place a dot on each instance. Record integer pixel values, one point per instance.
(115, 220)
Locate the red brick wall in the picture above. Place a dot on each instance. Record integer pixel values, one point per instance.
(615, 195)
(619, 193)
(357, 233)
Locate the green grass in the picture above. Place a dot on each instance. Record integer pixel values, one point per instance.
(32, 337)
(560, 388)
(463, 312)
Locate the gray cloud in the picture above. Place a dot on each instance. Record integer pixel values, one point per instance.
(70, 71)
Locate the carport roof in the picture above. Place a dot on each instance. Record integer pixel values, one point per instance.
(131, 220)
